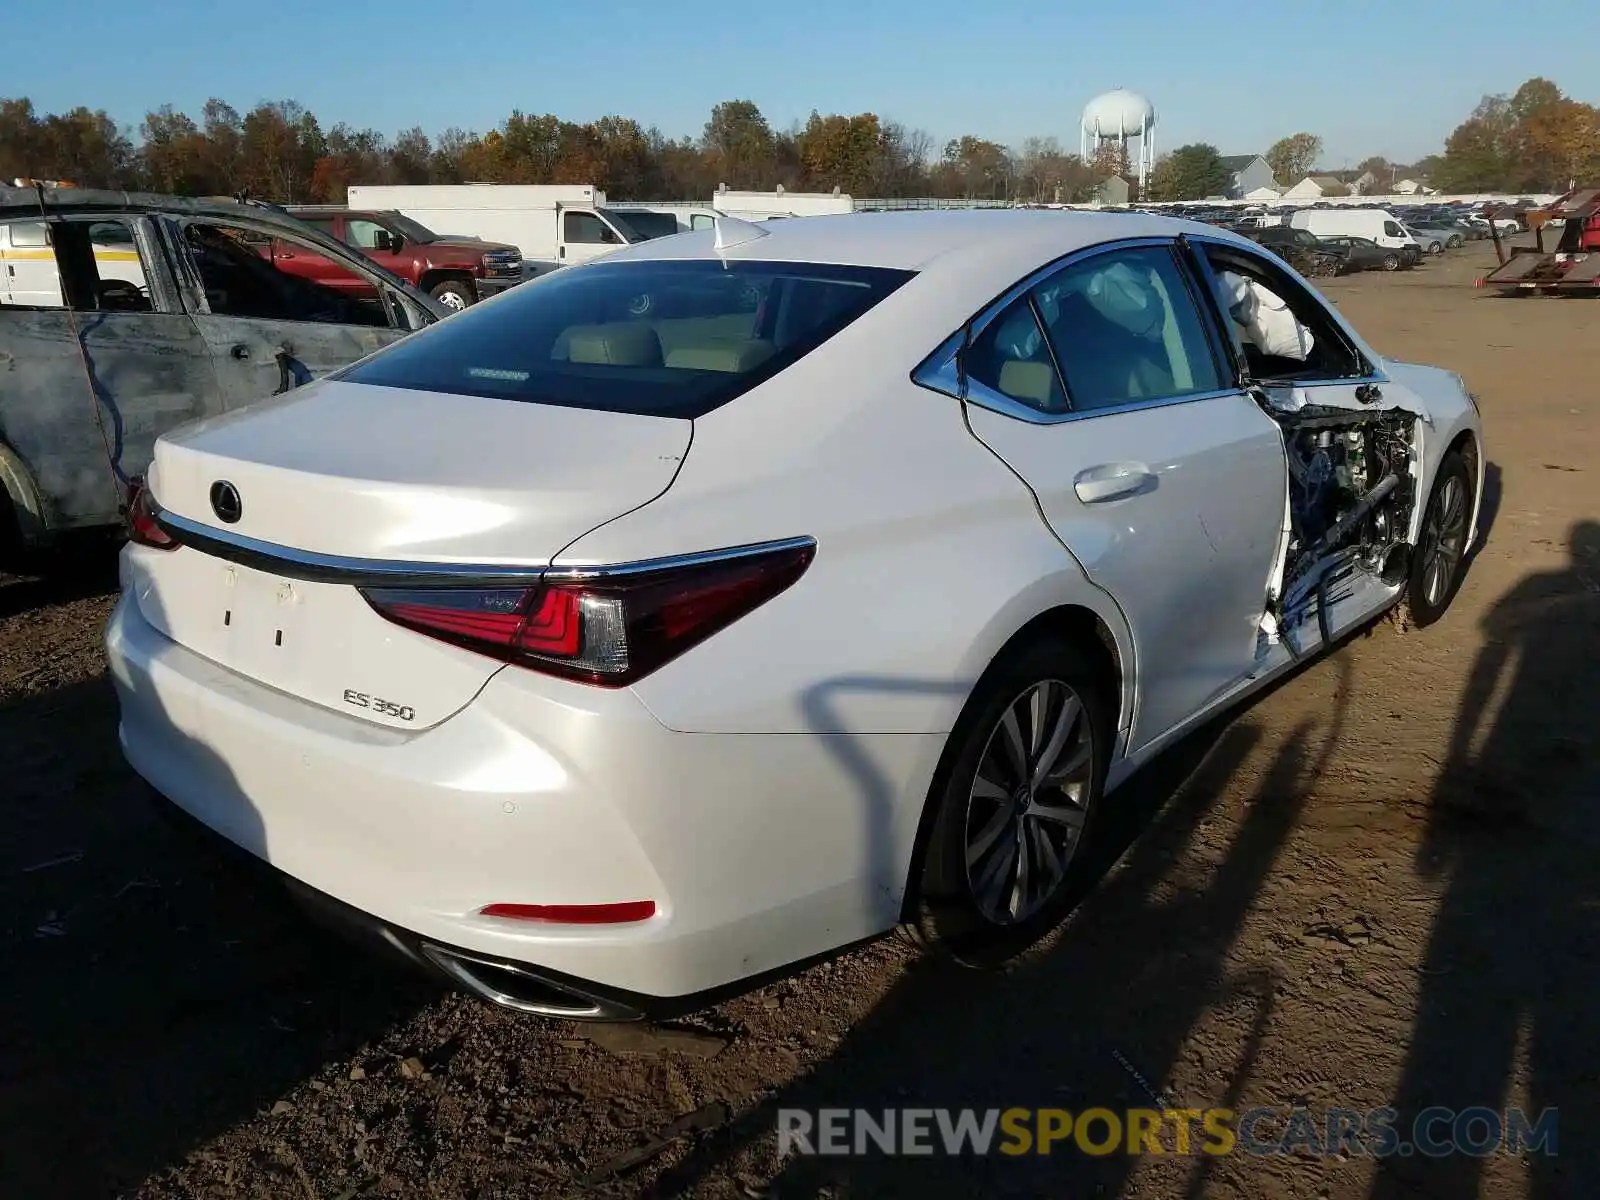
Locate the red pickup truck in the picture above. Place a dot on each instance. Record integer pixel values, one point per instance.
(457, 271)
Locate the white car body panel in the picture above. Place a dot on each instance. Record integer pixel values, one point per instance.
(767, 787)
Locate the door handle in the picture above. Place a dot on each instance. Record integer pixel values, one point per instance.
(1113, 481)
(241, 352)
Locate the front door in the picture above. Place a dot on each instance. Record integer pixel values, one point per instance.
(584, 236)
(1102, 387)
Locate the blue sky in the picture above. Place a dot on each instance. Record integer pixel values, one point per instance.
(1001, 69)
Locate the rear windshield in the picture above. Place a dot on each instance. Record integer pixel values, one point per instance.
(656, 338)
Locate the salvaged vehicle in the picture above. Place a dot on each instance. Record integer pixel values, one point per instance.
(742, 594)
(1364, 254)
(125, 315)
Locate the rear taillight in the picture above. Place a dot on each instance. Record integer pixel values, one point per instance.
(609, 628)
(144, 526)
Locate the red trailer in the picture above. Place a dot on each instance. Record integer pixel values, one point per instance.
(1573, 266)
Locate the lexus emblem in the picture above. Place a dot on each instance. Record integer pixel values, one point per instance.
(225, 502)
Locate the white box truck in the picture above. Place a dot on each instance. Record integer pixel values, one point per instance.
(554, 225)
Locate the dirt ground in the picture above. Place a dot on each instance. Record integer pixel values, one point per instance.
(1376, 884)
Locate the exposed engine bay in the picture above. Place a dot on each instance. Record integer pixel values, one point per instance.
(1352, 493)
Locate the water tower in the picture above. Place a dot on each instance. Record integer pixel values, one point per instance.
(1116, 116)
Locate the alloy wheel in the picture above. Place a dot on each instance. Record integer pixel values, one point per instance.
(1444, 539)
(1029, 802)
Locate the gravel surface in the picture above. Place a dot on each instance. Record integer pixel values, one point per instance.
(1376, 883)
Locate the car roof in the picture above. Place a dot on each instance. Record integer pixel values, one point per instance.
(927, 241)
(18, 202)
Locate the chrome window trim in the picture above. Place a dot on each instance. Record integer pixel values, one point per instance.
(1260, 254)
(941, 370)
(314, 567)
(985, 397)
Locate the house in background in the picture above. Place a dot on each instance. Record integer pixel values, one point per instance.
(1250, 173)
(1262, 195)
(1364, 184)
(1412, 187)
(1112, 192)
(1317, 187)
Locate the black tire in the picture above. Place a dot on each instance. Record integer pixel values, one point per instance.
(454, 293)
(1442, 540)
(1391, 262)
(948, 913)
(1456, 242)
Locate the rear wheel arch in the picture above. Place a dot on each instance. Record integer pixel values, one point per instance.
(1077, 626)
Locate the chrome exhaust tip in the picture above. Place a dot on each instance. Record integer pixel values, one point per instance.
(523, 989)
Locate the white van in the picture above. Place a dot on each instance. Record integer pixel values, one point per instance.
(28, 272)
(1375, 224)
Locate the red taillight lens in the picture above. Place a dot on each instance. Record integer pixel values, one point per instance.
(144, 527)
(610, 630)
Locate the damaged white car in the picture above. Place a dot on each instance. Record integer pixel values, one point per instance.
(682, 616)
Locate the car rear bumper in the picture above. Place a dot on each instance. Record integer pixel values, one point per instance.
(758, 851)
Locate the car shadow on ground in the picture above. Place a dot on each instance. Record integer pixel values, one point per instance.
(1097, 1018)
(1101, 1018)
(87, 567)
(153, 993)
(1513, 833)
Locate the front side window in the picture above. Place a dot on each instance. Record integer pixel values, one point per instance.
(247, 273)
(673, 338)
(585, 229)
(1278, 327)
(1392, 229)
(364, 234)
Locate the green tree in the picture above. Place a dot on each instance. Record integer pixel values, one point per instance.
(739, 144)
(1292, 158)
(1190, 172)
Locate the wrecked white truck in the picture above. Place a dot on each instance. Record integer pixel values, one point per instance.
(124, 315)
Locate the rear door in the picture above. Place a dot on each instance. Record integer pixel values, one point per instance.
(83, 421)
(270, 330)
(1104, 388)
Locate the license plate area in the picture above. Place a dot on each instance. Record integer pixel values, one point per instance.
(263, 621)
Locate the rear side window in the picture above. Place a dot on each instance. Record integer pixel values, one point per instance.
(670, 338)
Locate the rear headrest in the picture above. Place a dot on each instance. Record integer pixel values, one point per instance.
(620, 345)
(1033, 382)
(734, 357)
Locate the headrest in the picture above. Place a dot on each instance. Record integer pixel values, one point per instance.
(625, 344)
(1031, 382)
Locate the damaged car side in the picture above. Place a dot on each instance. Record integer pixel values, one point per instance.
(124, 315)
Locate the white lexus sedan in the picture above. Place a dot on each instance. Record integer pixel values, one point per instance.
(676, 618)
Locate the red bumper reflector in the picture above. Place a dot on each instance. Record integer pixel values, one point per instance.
(575, 914)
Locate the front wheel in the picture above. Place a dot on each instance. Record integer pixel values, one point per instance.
(1391, 262)
(453, 293)
(1012, 807)
(1435, 573)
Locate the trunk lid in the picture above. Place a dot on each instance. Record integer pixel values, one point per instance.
(342, 471)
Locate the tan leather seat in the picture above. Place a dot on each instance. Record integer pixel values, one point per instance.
(1031, 382)
(625, 344)
(734, 357)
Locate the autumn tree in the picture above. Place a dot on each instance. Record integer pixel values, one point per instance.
(175, 154)
(1292, 158)
(842, 152)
